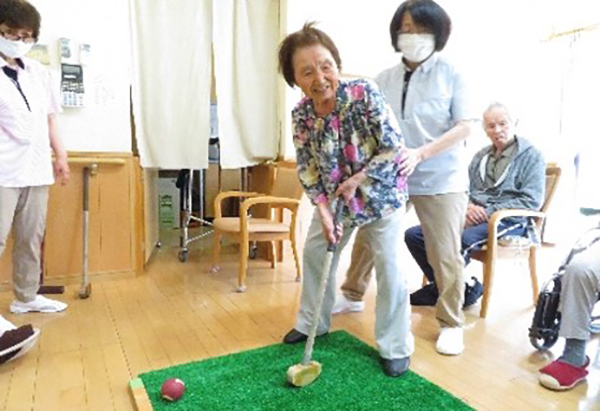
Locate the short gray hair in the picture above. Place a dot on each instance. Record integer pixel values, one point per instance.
(496, 104)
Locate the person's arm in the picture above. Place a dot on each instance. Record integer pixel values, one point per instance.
(348, 188)
(464, 112)
(61, 167)
(476, 214)
(530, 194)
(308, 171)
(451, 137)
(331, 233)
(382, 127)
(310, 177)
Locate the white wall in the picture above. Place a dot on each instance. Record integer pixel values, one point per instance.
(489, 41)
(500, 45)
(104, 123)
(359, 29)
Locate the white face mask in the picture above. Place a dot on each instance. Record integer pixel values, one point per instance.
(14, 49)
(416, 47)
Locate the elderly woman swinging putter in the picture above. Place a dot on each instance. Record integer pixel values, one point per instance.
(348, 145)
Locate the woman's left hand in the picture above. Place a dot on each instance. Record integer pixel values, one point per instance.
(348, 188)
(413, 156)
(62, 173)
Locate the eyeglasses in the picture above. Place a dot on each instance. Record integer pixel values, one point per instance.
(17, 35)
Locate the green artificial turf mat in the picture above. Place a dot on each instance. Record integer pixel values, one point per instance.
(352, 379)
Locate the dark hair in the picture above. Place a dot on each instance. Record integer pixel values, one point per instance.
(19, 14)
(308, 36)
(427, 14)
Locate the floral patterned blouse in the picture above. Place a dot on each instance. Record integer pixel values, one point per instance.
(360, 134)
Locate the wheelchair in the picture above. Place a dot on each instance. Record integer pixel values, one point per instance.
(543, 332)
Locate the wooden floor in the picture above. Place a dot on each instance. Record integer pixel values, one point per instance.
(177, 313)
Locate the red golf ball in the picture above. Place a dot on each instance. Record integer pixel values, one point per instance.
(172, 389)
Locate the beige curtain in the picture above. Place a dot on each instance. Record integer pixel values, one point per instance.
(171, 81)
(246, 36)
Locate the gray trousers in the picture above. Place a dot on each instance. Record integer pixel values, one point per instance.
(579, 294)
(24, 210)
(393, 335)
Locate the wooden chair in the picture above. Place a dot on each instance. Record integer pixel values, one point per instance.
(285, 193)
(493, 250)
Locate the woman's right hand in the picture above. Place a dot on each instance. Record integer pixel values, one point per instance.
(331, 233)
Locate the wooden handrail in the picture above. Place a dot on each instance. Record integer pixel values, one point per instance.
(96, 160)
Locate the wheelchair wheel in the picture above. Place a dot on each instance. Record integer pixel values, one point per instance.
(543, 333)
(253, 252)
(183, 256)
(544, 342)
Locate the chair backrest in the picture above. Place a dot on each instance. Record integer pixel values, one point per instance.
(553, 173)
(286, 183)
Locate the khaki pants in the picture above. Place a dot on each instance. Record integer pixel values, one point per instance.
(24, 210)
(442, 218)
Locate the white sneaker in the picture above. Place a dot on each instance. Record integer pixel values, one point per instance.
(450, 341)
(343, 305)
(39, 304)
(6, 325)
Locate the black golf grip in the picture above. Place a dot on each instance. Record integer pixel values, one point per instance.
(336, 219)
(86, 190)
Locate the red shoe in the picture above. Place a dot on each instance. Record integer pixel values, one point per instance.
(561, 376)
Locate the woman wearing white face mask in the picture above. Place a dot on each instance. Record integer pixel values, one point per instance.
(429, 98)
(12, 46)
(28, 136)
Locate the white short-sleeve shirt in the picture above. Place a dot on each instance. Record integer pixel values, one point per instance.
(25, 152)
(436, 100)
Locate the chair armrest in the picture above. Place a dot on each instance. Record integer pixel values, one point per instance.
(502, 214)
(499, 215)
(288, 203)
(228, 194)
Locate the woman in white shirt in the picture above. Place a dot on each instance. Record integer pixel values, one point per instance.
(430, 101)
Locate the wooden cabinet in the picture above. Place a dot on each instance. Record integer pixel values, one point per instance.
(116, 222)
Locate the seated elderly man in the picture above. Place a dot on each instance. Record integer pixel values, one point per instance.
(578, 295)
(509, 173)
